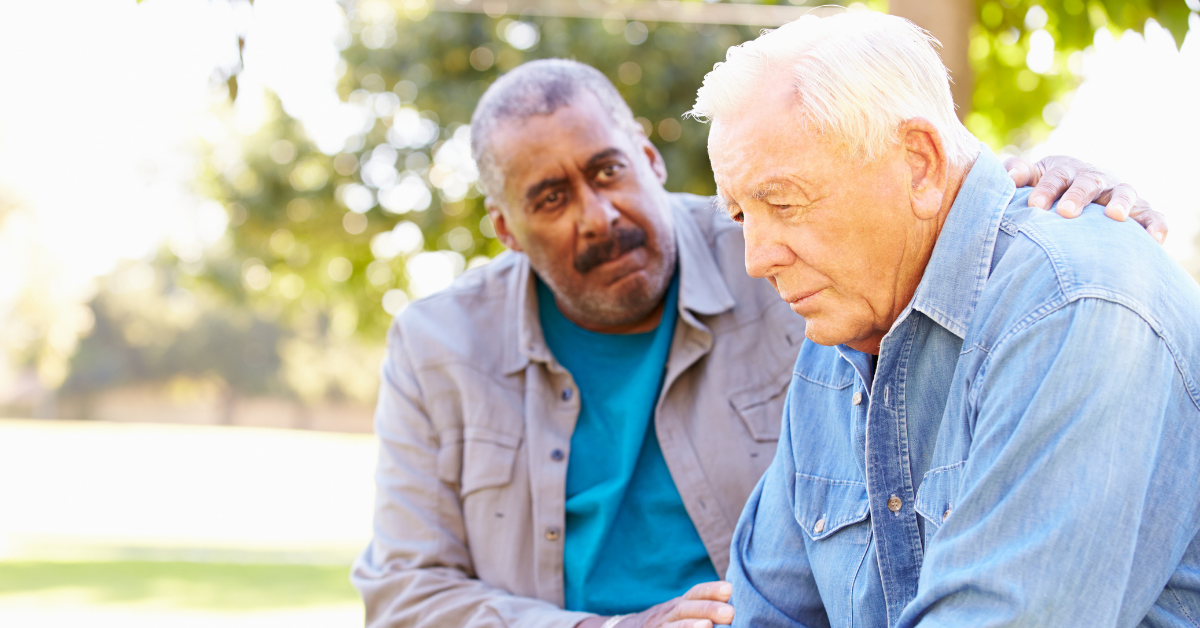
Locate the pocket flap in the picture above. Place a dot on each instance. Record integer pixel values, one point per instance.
(488, 459)
(476, 459)
(761, 409)
(824, 506)
(938, 492)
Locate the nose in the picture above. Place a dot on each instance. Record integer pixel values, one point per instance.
(597, 215)
(765, 254)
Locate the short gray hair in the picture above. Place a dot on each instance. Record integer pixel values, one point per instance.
(537, 88)
(857, 76)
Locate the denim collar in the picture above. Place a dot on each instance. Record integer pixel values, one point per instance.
(962, 258)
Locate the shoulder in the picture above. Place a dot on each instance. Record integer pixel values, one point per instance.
(1093, 256)
(712, 222)
(454, 321)
(755, 298)
(1045, 264)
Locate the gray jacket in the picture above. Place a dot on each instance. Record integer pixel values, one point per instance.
(475, 418)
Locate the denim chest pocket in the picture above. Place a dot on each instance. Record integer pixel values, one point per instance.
(937, 495)
(824, 506)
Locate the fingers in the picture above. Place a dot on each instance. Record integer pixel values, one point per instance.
(1154, 222)
(1086, 187)
(1052, 185)
(1121, 201)
(690, 623)
(1021, 172)
(716, 612)
(719, 591)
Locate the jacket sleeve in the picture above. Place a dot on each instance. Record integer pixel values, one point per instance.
(1079, 495)
(773, 583)
(417, 571)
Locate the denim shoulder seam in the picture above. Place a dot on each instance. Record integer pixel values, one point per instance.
(1098, 294)
(1057, 263)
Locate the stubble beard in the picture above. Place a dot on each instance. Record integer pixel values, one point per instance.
(602, 308)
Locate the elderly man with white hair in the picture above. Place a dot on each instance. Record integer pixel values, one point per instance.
(996, 418)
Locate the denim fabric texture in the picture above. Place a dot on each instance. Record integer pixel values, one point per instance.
(1026, 452)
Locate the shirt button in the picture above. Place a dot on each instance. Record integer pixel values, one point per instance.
(857, 399)
(894, 503)
(556, 455)
(552, 533)
(566, 394)
(946, 515)
(820, 527)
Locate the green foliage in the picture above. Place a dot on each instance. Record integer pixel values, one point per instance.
(288, 201)
(1017, 100)
(315, 275)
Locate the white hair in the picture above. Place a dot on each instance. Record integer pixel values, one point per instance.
(857, 75)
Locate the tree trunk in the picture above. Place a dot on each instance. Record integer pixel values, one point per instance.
(950, 21)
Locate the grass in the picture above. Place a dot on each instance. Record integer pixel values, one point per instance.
(232, 587)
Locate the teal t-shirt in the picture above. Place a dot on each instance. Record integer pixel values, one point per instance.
(629, 542)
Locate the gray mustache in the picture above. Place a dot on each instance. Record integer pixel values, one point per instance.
(619, 243)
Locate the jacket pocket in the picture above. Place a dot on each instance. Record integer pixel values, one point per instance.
(477, 459)
(937, 495)
(761, 409)
(824, 506)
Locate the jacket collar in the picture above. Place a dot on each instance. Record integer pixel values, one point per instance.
(702, 290)
(961, 262)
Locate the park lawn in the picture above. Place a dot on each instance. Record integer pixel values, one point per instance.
(199, 586)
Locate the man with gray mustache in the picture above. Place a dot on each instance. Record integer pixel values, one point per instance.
(569, 433)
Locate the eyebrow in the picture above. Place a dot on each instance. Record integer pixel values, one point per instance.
(766, 189)
(536, 189)
(603, 155)
(719, 202)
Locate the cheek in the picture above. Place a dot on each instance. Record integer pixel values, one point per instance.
(552, 243)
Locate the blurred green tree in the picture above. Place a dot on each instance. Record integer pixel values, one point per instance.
(335, 244)
(327, 246)
(1027, 58)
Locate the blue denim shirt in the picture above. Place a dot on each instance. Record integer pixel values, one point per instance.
(1027, 451)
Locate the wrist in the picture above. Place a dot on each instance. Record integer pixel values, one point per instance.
(613, 621)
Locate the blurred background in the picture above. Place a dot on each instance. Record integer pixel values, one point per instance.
(210, 210)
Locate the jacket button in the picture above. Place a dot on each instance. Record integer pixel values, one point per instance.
(820, 527)
(894, 503)
(857, 398)
(552, 533)
(566, 394)
(556, 455)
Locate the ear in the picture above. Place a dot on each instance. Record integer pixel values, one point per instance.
(925, 155)
(500, 223)
(655, 158)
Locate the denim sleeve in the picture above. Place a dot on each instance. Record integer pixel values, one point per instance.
(773, 585)
(1079, 496)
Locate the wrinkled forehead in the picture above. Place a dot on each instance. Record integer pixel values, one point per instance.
(744, 151)
(539, 145)
(755, 155)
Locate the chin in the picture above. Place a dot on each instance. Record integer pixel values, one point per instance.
(628, 300)
(823, 335)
